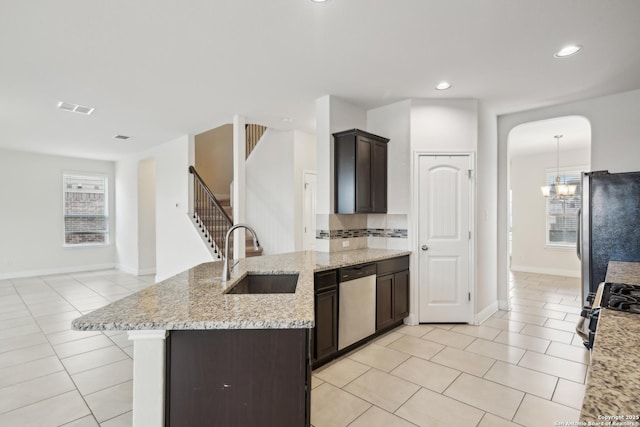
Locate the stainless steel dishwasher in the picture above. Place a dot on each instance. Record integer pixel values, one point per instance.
(357, 304)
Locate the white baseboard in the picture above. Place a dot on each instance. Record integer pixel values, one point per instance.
(412, 319)
(135, 271)
(127, 269)
(486, 313)
(146, 271)
(540, 270)
(57, 270)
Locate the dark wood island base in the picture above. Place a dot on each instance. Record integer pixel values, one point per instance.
(238, 377)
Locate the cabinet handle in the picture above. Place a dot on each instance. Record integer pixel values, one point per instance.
(425, 248)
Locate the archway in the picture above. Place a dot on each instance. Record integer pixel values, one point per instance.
(541, 231)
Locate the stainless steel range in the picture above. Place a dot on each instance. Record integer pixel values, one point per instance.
(614, 296)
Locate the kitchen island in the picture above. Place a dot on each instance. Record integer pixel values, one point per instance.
(613, 382)
(204, 353)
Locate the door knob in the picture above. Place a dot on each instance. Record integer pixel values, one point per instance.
(425, 247)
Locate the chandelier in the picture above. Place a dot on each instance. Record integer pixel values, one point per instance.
(560, 190)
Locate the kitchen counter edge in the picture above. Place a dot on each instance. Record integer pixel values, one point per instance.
(196, 300)
(613, 382)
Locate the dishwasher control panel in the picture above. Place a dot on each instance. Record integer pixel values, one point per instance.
(356, 271)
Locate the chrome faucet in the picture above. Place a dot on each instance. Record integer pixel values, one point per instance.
(226, 269)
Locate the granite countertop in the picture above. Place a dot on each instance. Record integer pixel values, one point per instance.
(613, 382)
(196, 299)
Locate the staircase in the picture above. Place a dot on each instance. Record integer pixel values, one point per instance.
(213, 218)
(249, 250)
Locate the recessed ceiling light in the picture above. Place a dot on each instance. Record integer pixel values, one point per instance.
(443, 86)
(122, 137)
(567, 51)
(75, 108)
(287, 119)
(318, 1)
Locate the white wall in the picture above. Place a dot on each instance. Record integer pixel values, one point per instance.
(487, 214)
(304, 154)
(178, 244)
(147, 216)
(270, 189)
(615, 136)
(31, 216)
(126, 241)
(529, 250)
(444, 124)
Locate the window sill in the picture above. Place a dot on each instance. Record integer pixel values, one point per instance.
(560, 247)
(85, 245)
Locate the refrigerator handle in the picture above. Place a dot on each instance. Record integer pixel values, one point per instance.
(578, 242)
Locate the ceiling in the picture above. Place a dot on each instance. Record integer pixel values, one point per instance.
(159, 69)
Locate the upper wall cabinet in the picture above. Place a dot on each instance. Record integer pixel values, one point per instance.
(360, 172)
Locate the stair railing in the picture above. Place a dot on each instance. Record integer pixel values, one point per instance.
(209, 215)
(253, 133)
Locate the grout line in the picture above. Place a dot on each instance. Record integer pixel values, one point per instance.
(60, 358)
(112, 418)
(41, 400)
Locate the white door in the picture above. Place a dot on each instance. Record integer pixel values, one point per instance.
(444, 253)
(309, 212)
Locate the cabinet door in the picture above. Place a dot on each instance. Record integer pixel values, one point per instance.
(379, 173)
(384, 301)
(326, 330)
(266, 368)
(364, 150)
(401, 295)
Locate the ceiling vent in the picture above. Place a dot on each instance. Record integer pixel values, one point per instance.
(75, 108)
(122, 137)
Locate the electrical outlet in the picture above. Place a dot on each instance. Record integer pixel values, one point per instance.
(345, 243)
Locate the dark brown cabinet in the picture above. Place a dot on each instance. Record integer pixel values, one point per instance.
(238, 377)
(325, 334)
(401, 295)
(360, 172)
(384, 302)
(392, 292)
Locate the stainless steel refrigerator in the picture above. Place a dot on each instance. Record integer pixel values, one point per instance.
(608, 225)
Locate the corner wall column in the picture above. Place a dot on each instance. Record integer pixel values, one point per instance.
(148, 377)
(239, 196)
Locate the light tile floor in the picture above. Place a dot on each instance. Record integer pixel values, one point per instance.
(51, 375)
(522, 367)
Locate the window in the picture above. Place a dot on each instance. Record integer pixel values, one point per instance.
(562, 213)
(86, 220)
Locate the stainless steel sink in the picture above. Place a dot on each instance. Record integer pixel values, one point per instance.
(266, 284)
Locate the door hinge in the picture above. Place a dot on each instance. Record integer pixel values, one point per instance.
(469, 172)
(469, 296)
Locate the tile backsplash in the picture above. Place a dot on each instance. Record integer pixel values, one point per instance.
(345, 232)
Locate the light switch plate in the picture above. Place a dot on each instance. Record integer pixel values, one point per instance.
(345, 243)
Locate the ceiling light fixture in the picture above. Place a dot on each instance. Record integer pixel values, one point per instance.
(287, 119)
(121, 137)
(443, 86)
(567, 51)
(75, 108)
(559, 190)
(318, 1)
